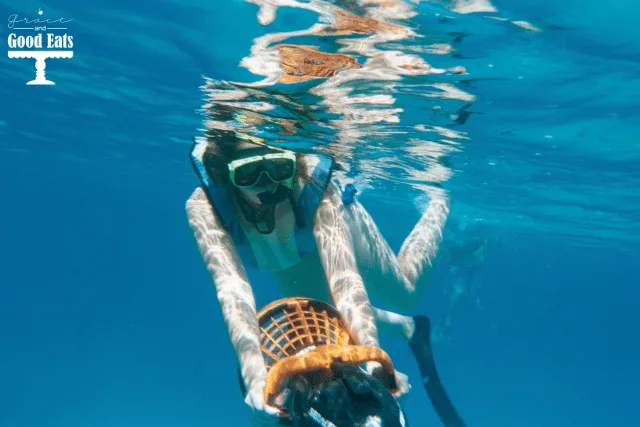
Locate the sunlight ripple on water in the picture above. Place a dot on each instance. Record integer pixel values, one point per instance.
(343, 86)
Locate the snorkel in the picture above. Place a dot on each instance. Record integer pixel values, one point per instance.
(272, 198)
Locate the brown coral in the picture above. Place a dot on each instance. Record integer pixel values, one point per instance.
(300, 63)
(348, 23)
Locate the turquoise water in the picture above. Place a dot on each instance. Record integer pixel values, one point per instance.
(107, 316)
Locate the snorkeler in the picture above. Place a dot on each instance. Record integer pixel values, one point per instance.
(279, 211)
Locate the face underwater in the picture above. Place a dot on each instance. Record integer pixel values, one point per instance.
(53, 41)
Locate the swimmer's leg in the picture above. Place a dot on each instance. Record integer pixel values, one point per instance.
(394, 324)
(399, 285)
(421, 246)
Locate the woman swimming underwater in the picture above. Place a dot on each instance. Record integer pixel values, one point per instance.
(280, 211)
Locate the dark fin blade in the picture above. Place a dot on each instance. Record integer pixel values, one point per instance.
(421, 348)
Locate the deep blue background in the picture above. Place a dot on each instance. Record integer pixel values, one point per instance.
(108, 317)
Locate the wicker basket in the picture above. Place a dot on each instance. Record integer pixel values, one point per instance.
(292, 325)
(302, 335)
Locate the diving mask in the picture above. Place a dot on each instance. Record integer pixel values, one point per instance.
(279, 167)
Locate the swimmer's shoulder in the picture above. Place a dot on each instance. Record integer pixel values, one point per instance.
(199, 209)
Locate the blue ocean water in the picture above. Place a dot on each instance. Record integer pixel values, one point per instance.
(107, 316)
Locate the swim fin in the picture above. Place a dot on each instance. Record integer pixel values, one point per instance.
(420, 345)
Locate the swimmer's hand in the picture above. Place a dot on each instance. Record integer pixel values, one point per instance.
(404, 387)
(402, 380)
(262, 414)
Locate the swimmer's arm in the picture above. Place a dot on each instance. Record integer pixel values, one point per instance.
(234, 291)
(337, 256)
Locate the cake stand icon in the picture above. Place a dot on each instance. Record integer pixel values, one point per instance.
(40, 56)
